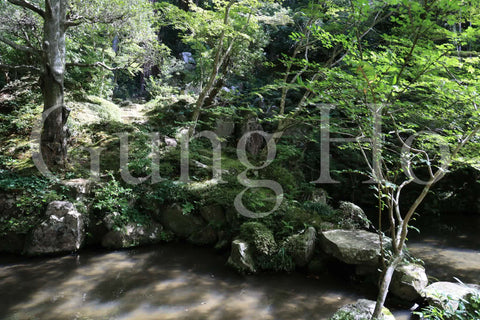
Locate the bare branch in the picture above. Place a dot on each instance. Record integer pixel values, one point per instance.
(5, 67)
(410, 148)
(91, 65)
(74, 23)
(17, 46)
(397, 198)
(78, 20)
(28, 5)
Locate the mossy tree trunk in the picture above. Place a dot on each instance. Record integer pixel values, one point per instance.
(54, 135)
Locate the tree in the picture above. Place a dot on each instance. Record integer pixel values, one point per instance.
(228, 40)
(409, 75)
(41, 37)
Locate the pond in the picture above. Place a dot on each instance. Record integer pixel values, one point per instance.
(172, 281)
(179, 281)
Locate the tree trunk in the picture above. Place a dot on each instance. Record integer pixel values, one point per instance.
(54, 134)
(384, 285)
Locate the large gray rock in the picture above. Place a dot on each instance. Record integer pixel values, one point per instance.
(63, 231)
(213, 214)
(447, 294)
(79, 188)
(301, 246)
(352, 246)
(352, 216)
(241, 257)
(183, 225)
(360, 310)
(133, 235)
(408, 282)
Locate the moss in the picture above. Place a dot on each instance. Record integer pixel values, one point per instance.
(93, 110)
(300, 218)
(259, 237)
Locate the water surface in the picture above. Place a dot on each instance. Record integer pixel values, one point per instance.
(164, 282)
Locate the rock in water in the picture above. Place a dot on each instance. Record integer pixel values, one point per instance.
(133, 235)
(63, 231)
(409, 281)
(203, 237)
(353, 246)
(360, 310)
(445, 295)
(241, 257)
(301, 246)
(183, 225)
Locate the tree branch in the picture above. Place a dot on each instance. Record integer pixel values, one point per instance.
(28, 5)
(74, 23)
(91, 65)
(5, 67)
(17, 46)
(78, 20)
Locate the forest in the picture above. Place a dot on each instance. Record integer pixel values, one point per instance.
(243, 159)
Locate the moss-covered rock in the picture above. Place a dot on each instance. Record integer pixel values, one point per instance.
(213, 214)
(133, 235)
(183, 225)
(62, 231)
(360, 310)
(241, 257)
(446, 295)
(408, 282)
(352, 216)
(259, 237)
(301, 246)
(203, 237)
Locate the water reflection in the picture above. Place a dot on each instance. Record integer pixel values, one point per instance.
(183, 282)
(169, 282)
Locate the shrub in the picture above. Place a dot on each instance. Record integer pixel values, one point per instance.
(32, 195)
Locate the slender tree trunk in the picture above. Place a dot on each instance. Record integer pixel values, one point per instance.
(54, 135)
(384, 285)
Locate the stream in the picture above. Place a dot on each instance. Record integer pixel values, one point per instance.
(179, 281)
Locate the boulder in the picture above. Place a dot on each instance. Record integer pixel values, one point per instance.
(353, 246)
(301, 246)
(78, 188)
(408, 282)
(62, 231)
(447, 294)
(133, 235)
(183, 225)
(352, 216)
(213, 214)
(241, 257)
(260, 238)
(360, 310)
(203, 237)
